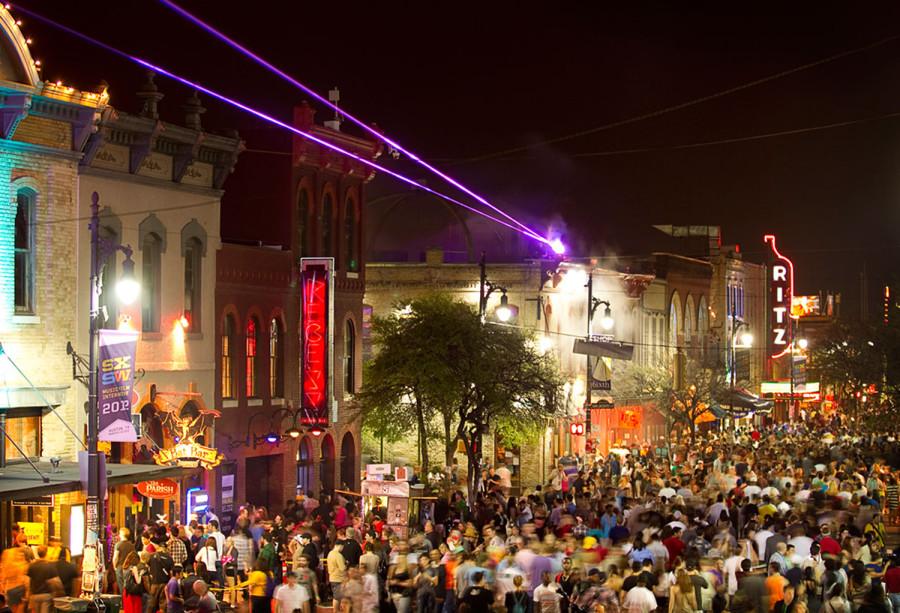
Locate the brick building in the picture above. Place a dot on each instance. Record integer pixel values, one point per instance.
(307, 202)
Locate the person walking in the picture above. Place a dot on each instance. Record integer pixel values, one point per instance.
(44, 583)
(123, 547)
(259, 580)
(14, 576)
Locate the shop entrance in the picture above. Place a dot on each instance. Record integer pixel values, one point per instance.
(264, 476)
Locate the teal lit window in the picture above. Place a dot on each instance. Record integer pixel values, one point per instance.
(351, 251)
(24, 252)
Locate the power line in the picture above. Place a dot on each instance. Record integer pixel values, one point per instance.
(683, 105)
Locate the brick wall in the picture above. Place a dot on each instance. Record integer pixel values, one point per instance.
(37, 343)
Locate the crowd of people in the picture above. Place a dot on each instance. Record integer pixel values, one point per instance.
(785, 519)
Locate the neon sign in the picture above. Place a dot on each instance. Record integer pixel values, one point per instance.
(781, 294)
(316, 341)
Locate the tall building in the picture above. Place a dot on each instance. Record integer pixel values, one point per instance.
(288, 423)
(160, 186)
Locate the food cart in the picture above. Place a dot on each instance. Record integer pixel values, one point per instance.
(404, 506)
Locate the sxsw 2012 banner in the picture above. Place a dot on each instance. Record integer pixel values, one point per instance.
(116, 382)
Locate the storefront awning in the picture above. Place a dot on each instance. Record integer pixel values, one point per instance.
(21, 480)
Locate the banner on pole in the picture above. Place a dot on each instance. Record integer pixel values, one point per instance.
(116, 383)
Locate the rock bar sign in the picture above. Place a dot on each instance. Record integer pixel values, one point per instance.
(317, 328)
(781, 292)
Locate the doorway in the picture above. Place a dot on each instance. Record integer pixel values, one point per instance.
(264, 478)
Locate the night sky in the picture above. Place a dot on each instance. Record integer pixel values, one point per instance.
(459, 80)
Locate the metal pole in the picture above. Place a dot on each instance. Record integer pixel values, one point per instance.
(94, 500)
(589, 374)
(482, 281)
(791, 356)
(733, 358)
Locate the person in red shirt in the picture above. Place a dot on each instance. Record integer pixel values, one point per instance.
(892, 578)
(675, 546)
(829, 546)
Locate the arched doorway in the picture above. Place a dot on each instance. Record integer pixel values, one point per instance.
(152, 429)
(305, 465)
(326, 466)
(349, 469)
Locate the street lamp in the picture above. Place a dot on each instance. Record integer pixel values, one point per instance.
(607, 323)
(127, 291)
(503, 312)
(796, 344)
(746, 343)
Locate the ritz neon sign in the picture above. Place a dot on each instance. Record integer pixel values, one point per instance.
(315, 326)
(781, 292)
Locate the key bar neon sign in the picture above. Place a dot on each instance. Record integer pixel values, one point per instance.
(317, 333)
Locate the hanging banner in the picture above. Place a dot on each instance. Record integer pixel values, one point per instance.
(116, 384)
(317, 339)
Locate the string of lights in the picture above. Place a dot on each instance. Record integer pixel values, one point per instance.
(557, 246)
(683, 105)
(277, 122)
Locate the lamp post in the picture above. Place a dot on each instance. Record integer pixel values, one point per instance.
(607, 324)
(485, 289)
(746, 342)
(802, 343)
(127, 290)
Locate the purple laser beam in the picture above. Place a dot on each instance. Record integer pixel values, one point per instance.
(527, 232)
(265, 63)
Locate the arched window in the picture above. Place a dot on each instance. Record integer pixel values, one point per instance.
(349, 358)
(24, 250)
(193, 259)
(276, 360)
(674, 321)
(152, 237)
(252, 363)
(326, 221)
(302, 221)
(702, 317)
(351, 252)
(228, 335)
(151, 281)
(111, 232)
(689, 321)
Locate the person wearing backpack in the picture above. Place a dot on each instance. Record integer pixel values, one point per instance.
(161, 566)
(133, 591)
(517, 601)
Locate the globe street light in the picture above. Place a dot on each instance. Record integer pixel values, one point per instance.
(127, 290)
(503, 312)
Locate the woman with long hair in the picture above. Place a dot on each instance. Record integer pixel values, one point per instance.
(131, 603)
(682, 598)
(260, 596)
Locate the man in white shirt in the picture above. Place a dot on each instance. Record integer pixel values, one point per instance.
(290, 596)
(761, 537)
(639, 599)
(547, 595)
(732, 565)
(215, 533)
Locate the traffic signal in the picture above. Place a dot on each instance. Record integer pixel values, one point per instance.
(576, 429)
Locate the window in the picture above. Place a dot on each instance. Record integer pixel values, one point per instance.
(228, 330)
(108, 301)
(349, 358)
(24, 249)
(193, 260)
(26, 431)
(325, 222)
(674, 321)
(350, 247)
(302, 221)
(276, 360)
(252, 363)
(151, 281)
(689, 321)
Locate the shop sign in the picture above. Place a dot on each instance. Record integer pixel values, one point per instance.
(385, 488)
(317, 335)
(116, 385)
(189, 455)
(34, 531)
(781, 293)
(36, 501)
(158, 488)
(375, 470)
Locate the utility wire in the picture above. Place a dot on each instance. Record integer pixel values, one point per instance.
(683, 105)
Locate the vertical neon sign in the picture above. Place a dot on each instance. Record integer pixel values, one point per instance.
(781, 295)
(316, 326)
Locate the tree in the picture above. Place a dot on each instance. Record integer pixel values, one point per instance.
(854, 357)
(704, 386)
(440, 362)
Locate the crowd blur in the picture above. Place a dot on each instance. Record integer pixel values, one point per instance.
(784, 519)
